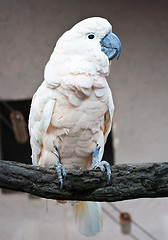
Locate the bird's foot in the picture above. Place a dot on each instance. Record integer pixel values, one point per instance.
(60, 172)
(103, 165)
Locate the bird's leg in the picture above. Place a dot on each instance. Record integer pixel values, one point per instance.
(59, 168)
(97, 163)
(95, 157)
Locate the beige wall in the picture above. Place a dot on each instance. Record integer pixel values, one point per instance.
(139, 80)
(29, 30)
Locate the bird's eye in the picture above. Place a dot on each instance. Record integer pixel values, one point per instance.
(91, 36)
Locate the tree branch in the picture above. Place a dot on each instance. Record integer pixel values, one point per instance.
(128, 181)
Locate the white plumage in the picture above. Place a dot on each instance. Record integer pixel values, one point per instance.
(72, 110)
(88, 218)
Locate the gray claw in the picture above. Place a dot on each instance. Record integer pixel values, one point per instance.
(60, 172)
(104, 165)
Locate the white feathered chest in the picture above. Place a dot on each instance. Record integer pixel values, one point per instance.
(78, 120)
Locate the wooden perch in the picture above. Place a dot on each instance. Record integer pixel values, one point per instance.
(128, 181)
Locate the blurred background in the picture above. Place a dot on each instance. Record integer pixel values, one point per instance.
(139, 83)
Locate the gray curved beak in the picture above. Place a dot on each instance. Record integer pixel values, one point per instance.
(111, 46)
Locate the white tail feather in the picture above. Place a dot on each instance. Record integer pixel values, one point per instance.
(88, 218)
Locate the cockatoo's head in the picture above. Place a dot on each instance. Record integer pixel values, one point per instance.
(87, 47)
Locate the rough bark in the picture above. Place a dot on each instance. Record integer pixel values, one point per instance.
(148, 180)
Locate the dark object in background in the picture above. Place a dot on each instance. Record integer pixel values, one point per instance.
(109, 150)
(10, 148)
(125, 222)
(19, 126)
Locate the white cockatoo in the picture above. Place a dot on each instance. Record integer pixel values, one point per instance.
(71, 112)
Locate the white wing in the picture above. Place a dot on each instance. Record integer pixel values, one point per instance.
(39, 120)
(108, 117)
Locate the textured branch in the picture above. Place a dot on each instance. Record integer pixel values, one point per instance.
(128, 182)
